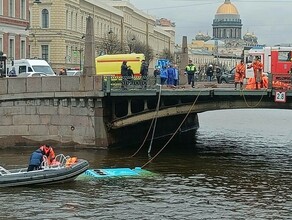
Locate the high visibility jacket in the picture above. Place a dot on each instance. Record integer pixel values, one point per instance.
(191, 69)
(257, 65)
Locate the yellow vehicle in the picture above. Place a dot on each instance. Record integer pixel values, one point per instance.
(110, 65)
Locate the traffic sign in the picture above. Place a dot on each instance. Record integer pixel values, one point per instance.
(280, 96)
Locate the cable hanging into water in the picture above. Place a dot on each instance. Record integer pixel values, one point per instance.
(149, 161)
(154, 119)
(250, 106)
(155, 122)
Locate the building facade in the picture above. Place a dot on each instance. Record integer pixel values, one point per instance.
(14, 20)
(57, 29)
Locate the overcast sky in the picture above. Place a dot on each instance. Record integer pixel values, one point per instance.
(269, 20)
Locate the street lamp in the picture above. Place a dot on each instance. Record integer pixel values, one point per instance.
(131, 44)
(3, 58)
(80, 50)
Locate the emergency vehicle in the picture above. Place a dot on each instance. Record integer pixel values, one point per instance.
(31, 66)
(110, 65)
(276, 60)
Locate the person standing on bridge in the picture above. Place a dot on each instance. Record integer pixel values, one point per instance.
(218, 73)
(190, 71)
(144, 73)
(209, 73)
(124, 73)
(258, 70)
(239, 74)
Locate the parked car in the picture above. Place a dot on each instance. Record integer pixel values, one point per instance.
(228, 76)
(73, 72)
(32, 74)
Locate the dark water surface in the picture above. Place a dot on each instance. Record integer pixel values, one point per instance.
(240, 168)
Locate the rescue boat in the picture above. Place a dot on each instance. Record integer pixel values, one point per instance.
(65, 169)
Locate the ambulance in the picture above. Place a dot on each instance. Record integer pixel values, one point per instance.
(276, 60)
(31, 66)
(110, 65)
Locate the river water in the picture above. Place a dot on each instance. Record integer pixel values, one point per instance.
(239, 168)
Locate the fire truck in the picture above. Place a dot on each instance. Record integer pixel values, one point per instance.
(276, 61)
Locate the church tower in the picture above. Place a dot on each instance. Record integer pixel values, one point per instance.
(227, 23)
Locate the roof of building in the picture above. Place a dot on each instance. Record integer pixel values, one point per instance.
(227, 8)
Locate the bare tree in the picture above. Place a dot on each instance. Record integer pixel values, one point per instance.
(136, 46)
(110, 44)
(166, 54)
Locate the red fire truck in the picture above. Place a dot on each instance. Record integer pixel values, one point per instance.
(276, 60)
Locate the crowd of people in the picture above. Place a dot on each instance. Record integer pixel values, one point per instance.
(128, 74)
(169, 75)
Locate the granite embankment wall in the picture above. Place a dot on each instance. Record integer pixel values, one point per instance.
(57, 110)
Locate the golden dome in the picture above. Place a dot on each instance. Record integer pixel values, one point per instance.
(227, 8)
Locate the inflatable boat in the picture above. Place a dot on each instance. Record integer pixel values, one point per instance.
(114, 173)
(65, 169)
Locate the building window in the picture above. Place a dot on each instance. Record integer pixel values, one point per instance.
(22, 49)
(45, 18)
(76, 22)
(11, 8)
(82, 24)
(22, 9)
(1, 43)
(11, 48)
(71, 54)
(1, 7)
(45, 52)
(71, 21)
(67, 19)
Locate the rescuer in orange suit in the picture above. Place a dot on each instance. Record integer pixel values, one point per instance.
(239, 74)
(258, 70)
(49, 152)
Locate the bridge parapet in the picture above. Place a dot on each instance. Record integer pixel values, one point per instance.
(17, 85)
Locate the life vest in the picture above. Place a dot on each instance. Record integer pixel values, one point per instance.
(70, 161)
(49, 152)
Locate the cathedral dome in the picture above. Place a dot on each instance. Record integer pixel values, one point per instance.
(227, 8)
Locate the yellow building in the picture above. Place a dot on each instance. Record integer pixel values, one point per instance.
(57, 29)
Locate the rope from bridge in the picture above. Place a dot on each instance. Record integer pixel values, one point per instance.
(250, 106)
(154, 120)
(191, 108)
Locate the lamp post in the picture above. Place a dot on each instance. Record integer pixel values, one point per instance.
(3, 59)
(80, 50)
(131, 44)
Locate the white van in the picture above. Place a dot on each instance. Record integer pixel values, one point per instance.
(31, 66)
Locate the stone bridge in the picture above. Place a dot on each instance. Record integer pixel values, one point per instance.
(85, 111)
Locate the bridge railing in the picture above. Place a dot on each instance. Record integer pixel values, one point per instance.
(275, 81)
(129, 83)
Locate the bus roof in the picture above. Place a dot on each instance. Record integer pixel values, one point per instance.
(120, 57)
